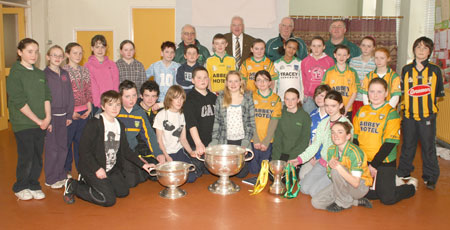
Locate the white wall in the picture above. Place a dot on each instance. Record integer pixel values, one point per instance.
(64, 16)
(324, 7)
(205, 34)
(55, 20)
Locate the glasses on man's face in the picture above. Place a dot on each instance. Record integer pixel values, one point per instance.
(189, 33)
(287, 26)
(57, 56)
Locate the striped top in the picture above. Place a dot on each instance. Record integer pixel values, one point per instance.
(420, 90)
(362, 68)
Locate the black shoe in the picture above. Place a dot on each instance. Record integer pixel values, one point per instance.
(334, 208)
(431, 185)
(364, 202)
(69, 191)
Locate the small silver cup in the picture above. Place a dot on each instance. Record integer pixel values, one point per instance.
(277, 169)
(172, 174)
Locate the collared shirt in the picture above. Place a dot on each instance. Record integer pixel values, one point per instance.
(241, 41)
(392, 79)
(420, 90)
(355, 51)
(134, 72)
(218, 68)
(353, 159)
(250, 67)
(374, 127)
(274, 44)
(345, 82)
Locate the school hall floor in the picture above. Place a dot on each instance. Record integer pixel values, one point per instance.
(200, 209)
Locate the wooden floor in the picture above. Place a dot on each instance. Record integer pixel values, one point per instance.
(200, 209)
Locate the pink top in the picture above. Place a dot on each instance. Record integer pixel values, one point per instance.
(104, 77)
(313, 71)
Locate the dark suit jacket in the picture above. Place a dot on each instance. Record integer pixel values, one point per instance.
(247, 40)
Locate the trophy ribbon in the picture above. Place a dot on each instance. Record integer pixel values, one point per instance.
(291, 179)
(262, 178)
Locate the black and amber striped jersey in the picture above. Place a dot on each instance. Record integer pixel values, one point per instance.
(421, 89)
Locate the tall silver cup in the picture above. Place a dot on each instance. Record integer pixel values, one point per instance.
(277, 169)
(225, 161)
(172, 174)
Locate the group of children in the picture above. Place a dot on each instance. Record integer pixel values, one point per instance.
(311, 112)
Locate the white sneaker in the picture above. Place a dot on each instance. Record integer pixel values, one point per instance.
(24, 195)
(399, 181)
(57, 185)
(69, 175)
(37, 194)
(414, 182)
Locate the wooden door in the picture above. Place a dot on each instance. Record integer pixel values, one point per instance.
(84, 39)
(12, 30)
(151, 27)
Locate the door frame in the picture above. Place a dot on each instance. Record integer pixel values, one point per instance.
(4, 72)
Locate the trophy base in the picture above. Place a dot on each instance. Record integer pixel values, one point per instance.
(172, 193)
(277, 190)
(224, 186)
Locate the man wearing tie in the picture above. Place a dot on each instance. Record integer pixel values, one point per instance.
(239, 43)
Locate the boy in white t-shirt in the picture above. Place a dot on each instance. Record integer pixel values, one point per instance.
(170, 128)
(101, 147)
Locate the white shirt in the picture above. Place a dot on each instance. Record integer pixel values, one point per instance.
(289, 76)
(235, 126)
(241, 41)
(112, 141)
(172, 125)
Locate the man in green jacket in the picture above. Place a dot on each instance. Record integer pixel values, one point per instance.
(286, 28)
(188, 36)
(337, 37)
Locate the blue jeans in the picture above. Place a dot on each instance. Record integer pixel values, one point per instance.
(255, 164)
(74, 131)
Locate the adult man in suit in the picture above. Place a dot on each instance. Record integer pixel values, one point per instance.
(239, 43)
(286, 27)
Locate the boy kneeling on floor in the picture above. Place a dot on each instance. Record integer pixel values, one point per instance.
(103, 148)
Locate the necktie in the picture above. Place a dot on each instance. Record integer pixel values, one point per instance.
(237, 49)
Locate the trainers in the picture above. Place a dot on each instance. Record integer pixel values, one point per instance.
(413, 181)
(37, 194)
(431, 185)
(364, 202)
(399, 181)
(24, 195)
(57, 185)
(69, 175)
(69, 192)
(334, 208)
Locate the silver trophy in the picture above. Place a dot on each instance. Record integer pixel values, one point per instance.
(277, 169)
(172, 174)
(225, 161)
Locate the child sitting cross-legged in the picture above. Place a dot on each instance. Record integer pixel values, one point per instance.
(348, 171)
